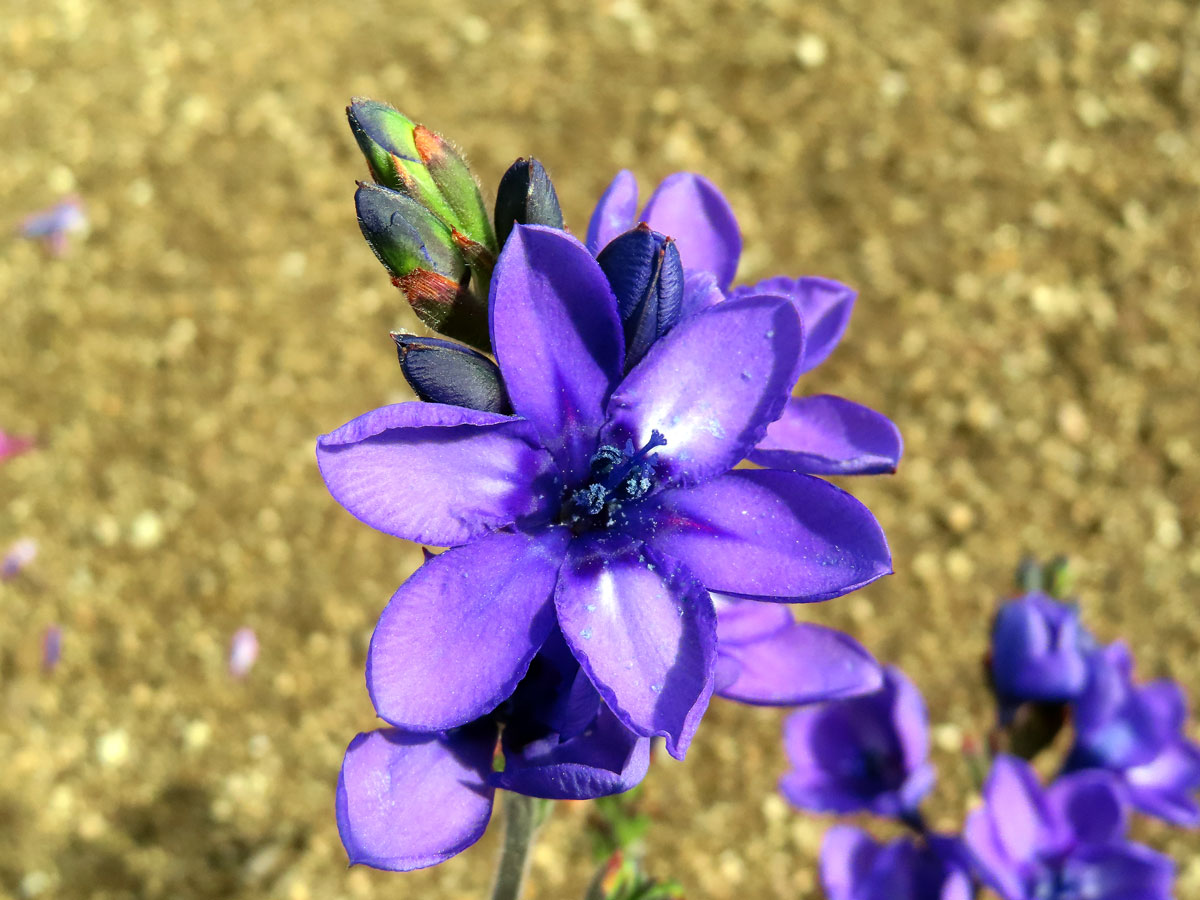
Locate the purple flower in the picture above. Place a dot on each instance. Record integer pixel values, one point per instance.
(409, 799)
(51, 647)
(1137, 731)
(606, 505)
(243, 652)
(865, 753)
(855, 867)
(52, 226)
(820, 434)
(766, 658)
(1039, 651)
(14, 445)
(1065, 843)
(22, 552)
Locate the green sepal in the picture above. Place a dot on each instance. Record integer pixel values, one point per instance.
(457, 185)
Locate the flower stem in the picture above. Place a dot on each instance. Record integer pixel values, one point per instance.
(522, 816)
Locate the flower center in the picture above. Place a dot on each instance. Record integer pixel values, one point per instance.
(615, 477)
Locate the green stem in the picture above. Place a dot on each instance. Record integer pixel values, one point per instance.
(522, 816)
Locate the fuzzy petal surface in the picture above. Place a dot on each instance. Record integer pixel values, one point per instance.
(460, 633)
(437, 474)
(824, 305)
(645, 633)
(615, 212)
(558, 339)
(768, 534)
(710, 387)
(407, 800)
(695, 213)
(827, 435)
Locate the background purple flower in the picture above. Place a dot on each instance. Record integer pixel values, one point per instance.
(605, 505)
(856, 867)
(866, 753)
(1137, 731)
(54, 225)
(51, 647)
(1065, 843)
(1039, 651)
(20, 554)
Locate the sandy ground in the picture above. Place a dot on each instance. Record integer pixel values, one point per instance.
(1012, 186)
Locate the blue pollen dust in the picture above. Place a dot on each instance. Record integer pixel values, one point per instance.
(615, 477)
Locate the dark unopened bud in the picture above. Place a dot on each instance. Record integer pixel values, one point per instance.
(425, 261)
(444, 372)
(646, 275)
(526, 197)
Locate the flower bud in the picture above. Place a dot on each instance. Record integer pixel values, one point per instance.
(646, 275)
(444, 372)
(457, 185)
(526, 196)
(425, 262)
(423, 165)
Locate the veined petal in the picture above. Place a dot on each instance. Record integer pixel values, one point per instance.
(558, 339)
(801, 663)
(615, 212)
(605, 759)
(460, 633)
(826, 435)
(436, 474)
(406, 800)
(761, 533)
(824, 306)
(644, 632)
(692, 210)
(711, 387)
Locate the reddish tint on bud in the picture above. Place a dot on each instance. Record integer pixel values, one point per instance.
(446, 306)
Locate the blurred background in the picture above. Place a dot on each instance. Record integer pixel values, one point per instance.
(1011, 186)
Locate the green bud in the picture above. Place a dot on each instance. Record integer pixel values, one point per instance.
(420, 163)
(425, 262)
(457, 185)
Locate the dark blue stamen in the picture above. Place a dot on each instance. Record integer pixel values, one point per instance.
(616, 477)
